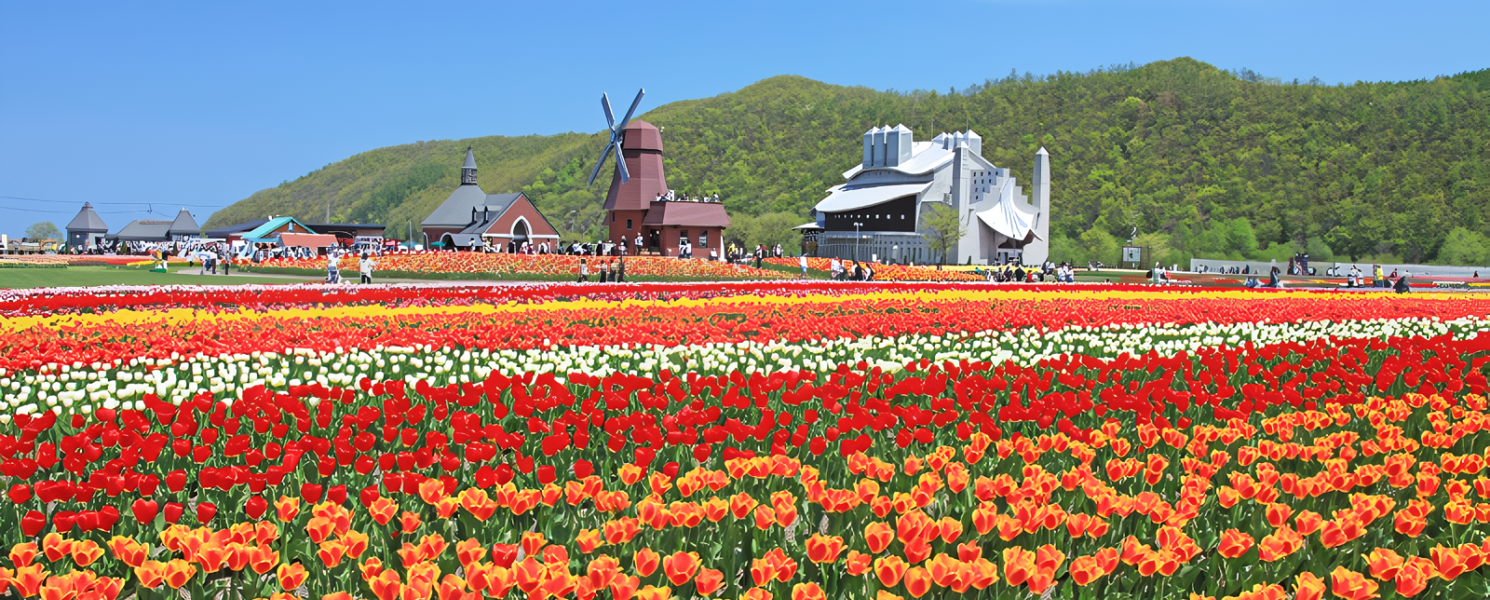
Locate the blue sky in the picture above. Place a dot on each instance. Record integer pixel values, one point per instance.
(203, 103)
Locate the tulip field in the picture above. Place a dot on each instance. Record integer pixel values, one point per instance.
(753, 440)
(528, 267)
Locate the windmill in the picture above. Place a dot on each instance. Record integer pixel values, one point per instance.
(615, 137)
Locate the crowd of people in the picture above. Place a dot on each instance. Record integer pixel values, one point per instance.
(609, 270)
(856, 271)
(1017, 273)
(366, 262)
(674, 196)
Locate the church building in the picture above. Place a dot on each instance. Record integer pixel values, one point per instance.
(881, 211)
(472, 219)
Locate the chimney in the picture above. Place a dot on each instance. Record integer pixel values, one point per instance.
(879, 146)
(1040, 192)
(907, 143)
(974, 142)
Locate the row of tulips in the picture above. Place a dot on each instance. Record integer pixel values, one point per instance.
(882, 272)
(124, 384)
(568, 321)
(543, 265)
(884, 444)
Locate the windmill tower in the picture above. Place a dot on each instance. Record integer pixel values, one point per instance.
(639, 177)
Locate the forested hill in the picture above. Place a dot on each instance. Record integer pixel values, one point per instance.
(1198, 159)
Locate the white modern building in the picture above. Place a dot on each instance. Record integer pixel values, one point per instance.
(881, 210)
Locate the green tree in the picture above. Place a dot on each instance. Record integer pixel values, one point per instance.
(1065, 249)
(943, 230)
(1465, 247)
(766, 230)
(1101, 246)
(43, 230)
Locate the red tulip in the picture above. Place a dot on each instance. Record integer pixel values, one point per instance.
(33, 523)
(144, 510)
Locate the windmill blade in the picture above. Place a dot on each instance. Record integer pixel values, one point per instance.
(621, 164)
(635, 102)
(600, 163)
(610, 118)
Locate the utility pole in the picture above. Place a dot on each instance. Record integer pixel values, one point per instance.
(856, 239)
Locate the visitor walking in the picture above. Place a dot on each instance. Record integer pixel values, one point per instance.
(584, 271)
(802, 262)
(333, 274)
(365, 267)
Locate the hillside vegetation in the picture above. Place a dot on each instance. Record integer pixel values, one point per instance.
(1198, 160)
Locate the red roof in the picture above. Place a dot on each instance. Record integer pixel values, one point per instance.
(307, 240)
(687, 214)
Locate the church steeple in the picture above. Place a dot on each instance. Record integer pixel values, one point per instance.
(468, 170)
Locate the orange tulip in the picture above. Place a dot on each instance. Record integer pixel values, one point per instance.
(85, 552)
(382, 510)
(1277, 514)
(290, 576)
(645, 561)
(212, 557)
(1234, 543)
(680, 567)
(807, 591)
(1085, 570)
(1384, 563)
(1351, 585)
(708, 581)
(178, 572)
(889, 570)
(917, 581)
(386, 586)
(1019, 565)
(29, 579)
(331, 553)
(1414, 576)
(878, 536)
(55, 546)
(602, 571)
(654, 593)
(530, 574)
(129, 552)
(1450, 562)
(287, 508)
(783, 565)
(588, 540)
(824, 549)
(1308, 587)
(858, 563)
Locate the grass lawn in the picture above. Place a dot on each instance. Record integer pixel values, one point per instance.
(87, 276)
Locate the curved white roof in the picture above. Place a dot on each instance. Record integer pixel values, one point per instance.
(1013, 219)
(850, 197)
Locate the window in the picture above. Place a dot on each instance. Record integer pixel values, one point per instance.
(703, 239)
(613, 217)
(683, 236)
(628, 224)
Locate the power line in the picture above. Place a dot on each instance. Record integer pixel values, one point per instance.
(60, 212)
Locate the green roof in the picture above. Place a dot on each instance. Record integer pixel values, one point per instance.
(263, 230)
